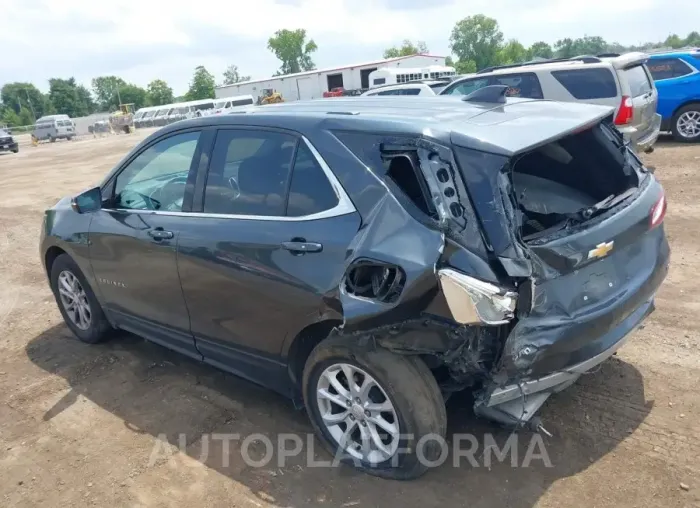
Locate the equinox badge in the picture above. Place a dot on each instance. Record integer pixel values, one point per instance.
(601, 250)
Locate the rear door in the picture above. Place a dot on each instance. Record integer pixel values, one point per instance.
(268, 242)
(643, 94)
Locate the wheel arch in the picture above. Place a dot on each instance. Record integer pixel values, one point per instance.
(302, 345)
(50, 256)
(687, 103)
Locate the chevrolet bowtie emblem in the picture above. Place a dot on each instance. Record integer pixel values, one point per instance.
(601, 250)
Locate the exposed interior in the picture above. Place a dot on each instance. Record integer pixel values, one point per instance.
(571, 180)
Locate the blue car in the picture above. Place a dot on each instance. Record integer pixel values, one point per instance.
(677, 77)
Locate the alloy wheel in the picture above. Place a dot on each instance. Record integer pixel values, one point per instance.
(74, 299)
(357, 413)
(688, 124)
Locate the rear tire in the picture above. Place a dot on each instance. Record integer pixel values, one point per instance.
(52, 139)
(84, 317)
(685, 122)
(399, 382)
(15, 150)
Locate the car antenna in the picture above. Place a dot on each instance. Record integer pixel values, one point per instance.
(491, 93)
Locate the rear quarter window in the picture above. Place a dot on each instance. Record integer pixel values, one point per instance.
(638, 80)
(667, 68)
(583, 84)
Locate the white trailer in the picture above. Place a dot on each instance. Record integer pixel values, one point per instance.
(399, 75)
(312, 84)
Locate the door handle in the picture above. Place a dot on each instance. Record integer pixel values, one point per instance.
(299, 246)
(160, 234)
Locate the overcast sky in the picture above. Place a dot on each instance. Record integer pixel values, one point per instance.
(141, 40)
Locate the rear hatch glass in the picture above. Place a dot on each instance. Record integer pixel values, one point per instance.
(643, 94)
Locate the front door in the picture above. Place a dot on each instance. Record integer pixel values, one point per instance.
(254, 264)
(133, 242)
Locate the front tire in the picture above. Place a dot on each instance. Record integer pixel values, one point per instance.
(75, 299)
(371, 407)
(686, 124)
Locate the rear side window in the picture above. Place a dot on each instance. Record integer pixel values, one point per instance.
(520, 85)
(248, 173)
(667, 68)
(638, 80)
(597, 83)
(379, 81)
(309, 191)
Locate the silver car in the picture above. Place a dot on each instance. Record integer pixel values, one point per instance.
(620, 81)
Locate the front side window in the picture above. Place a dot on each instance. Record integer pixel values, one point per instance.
(668, 68)
(156, 178)
(521, 85)
(248, 173)
(467, 87)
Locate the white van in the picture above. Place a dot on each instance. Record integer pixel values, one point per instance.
(53, 127)
(225, 103)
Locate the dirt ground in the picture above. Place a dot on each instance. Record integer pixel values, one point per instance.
(79, 424)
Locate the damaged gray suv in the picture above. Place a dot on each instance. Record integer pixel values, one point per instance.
(369, 257)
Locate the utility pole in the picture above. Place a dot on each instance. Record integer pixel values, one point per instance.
(30, 105)
(119, 98)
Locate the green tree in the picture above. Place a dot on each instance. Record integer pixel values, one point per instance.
(131, 94)
(26, 117)
(673, 41)
(407, 48)
(232, 75)
(693, 39)
(477, 38)
(293, 50)
(69, 98)
(586, 45)
(564, 48)
(202, 85)
(17, 96)
(449, 62)
(513, 52)
(159, 93)
(11, 118)
(105, 90)
(465, 67)
(540, 50)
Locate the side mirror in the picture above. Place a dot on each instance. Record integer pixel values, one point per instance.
(88, 201)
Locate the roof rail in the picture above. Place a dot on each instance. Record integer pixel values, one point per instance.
(491, 93)
(583, 58)
(687, 49)
(608, 55)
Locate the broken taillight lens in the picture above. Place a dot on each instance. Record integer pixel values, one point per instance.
(658, 212)
(473, 301)
(626, 111)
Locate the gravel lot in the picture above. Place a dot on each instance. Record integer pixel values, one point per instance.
(80, 425)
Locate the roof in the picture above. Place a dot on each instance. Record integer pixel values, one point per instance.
(506, 129)
(331, 69)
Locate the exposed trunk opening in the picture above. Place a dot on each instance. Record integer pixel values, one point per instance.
(571, 180)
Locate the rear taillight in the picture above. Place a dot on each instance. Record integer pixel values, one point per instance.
(658, 212)
(626, 111)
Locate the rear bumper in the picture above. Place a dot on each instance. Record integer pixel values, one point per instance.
(643, 140)
(557, 381)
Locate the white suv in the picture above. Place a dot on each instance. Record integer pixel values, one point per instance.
(411, 88)
(621, 81)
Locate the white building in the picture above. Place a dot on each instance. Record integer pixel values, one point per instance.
(312, 84)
